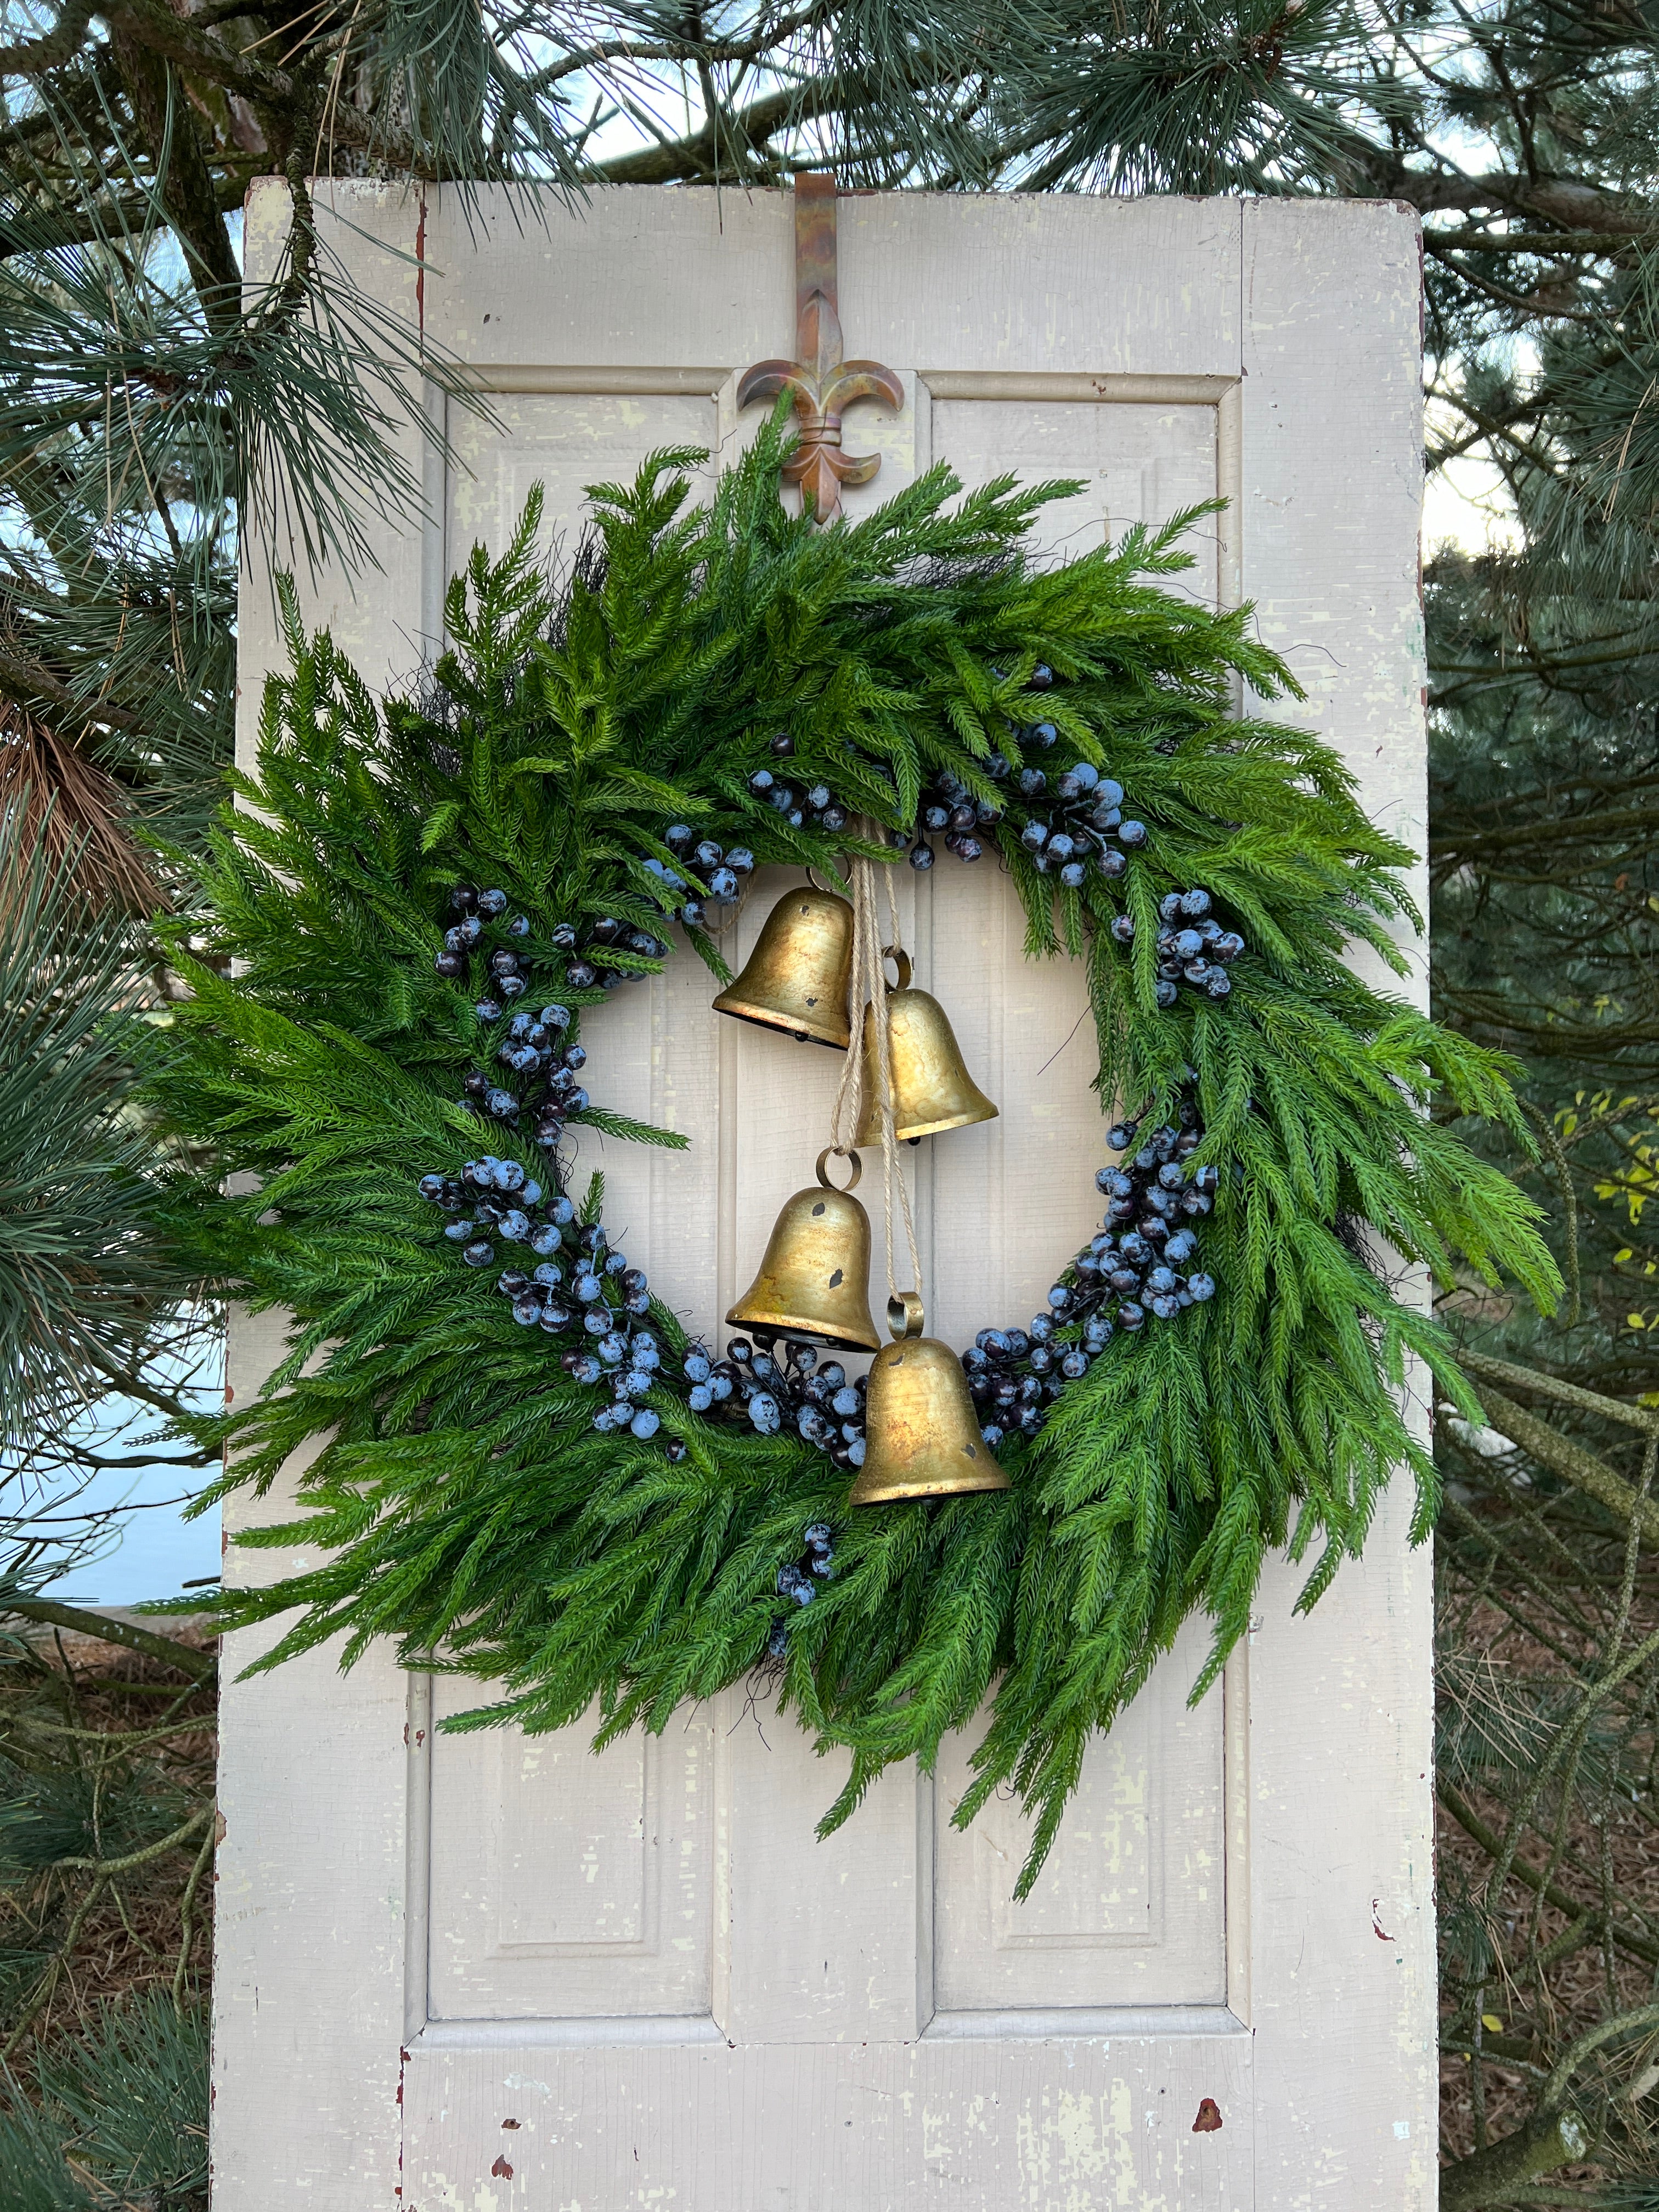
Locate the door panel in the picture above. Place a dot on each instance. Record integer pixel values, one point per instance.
(565, 1885)
(490, 1972)
(1129, 1909)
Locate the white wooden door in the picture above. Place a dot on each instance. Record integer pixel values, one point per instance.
(489, 1972)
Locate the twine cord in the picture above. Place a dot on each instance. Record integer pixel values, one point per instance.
(868, 988)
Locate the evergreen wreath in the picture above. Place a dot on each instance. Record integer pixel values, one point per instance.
(554, 1490)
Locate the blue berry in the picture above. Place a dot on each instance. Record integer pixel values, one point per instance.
(480, 1253)
(1201, 1287)
(765, 1412)
(1132, 834)
(1195, 904)
(492, 902)
(700, 1397)
(1074, 1365)
(612, 1349)
(777, 1644)
(696, 1366)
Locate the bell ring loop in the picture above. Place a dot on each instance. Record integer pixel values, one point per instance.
(829, 890)
(835, 1151)
(905, 1314)
(901, 960)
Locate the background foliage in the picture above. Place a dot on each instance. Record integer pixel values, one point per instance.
(135, 385)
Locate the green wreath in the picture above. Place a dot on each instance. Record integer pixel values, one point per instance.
(536, 820)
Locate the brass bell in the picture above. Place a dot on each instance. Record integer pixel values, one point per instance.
(814, 1281)
(796, 976)
(931, 1088)
(922, 1437)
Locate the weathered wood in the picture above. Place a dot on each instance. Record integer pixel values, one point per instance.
(645, 1962)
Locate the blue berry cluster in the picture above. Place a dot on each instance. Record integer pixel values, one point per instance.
(812, 803)
(799, 1581)
(1193, 948)
(947, 810)
(721, 875)
(1130, 1271)
(532, 1048)
(791, 1388)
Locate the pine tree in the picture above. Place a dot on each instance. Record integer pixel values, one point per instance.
(136, 382)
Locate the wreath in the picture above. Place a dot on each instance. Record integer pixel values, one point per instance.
(411, 920)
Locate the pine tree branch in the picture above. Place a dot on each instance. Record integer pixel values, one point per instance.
(1491, 2175)
(56, 47)
(187, 189)
(1570, 1461)
(1628, 1939)
(202, 1665)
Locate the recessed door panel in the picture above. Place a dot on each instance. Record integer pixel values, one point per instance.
(565, 1885)
(1129, 1909)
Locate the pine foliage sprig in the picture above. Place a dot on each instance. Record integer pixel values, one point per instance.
(469, 1508)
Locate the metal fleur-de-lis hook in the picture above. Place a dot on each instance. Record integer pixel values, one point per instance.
(821, 384)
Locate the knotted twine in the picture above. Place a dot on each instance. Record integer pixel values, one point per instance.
(867, 988)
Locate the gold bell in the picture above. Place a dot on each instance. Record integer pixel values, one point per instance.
(796, 976)
(922, 1437)
(814, 1281)
(931, 1088)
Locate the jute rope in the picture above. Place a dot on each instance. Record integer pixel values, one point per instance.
(868, 988)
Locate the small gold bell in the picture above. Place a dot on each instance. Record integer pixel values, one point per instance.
(931, 1088)
(796, 977)
(922, 1437)
(814, 1281)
